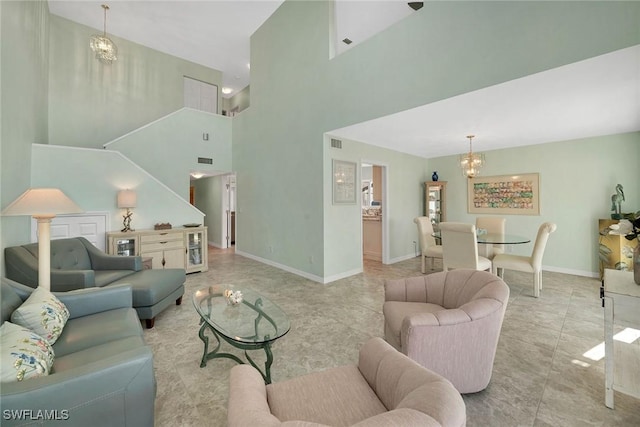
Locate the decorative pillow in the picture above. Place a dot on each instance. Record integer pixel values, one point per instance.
(23, 354)
(42, 313)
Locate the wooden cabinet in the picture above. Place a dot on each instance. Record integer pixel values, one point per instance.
(435, 202)
(372, 238)
(174, 248)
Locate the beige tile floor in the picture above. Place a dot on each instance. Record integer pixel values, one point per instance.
(540, 377)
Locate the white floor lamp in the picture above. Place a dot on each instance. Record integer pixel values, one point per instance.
(43, 204)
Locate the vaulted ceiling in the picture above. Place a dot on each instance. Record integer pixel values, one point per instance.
(598, 96)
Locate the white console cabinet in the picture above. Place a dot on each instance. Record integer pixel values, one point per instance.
(173, 248)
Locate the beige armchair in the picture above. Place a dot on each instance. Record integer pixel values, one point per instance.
(428, 247)
(448, 322)
(386, 388)
(460, 247)
(527, 264)
(493, 225)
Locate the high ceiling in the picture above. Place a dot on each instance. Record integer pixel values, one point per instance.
(599, 96)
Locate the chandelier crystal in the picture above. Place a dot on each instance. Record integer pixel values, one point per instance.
(106, 51)
(471, 163)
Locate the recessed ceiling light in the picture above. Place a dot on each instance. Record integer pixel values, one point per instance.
(227, 90)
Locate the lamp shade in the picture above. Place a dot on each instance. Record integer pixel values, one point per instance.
(127, 199)
(42, 202)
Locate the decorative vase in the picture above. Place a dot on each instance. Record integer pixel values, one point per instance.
(434, 177)
(636, 264)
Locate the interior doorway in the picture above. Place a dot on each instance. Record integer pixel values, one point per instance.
(229, 210)
(374, 218)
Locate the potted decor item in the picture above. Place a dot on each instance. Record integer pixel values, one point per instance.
(434, 177)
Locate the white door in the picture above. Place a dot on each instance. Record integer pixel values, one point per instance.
(91, 225)
(200, 95)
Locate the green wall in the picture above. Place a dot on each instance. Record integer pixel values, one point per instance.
(93, 177)
(24, 59)
(577, 179)
(298, 94)
(91, 103)
(169, 148)
(208, 199)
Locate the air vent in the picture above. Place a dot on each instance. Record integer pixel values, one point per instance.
(336, 143)
(347, 41)
(205, 160)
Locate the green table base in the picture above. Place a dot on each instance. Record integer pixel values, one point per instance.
(214, 354)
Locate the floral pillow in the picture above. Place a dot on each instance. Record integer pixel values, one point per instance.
(23, 354)
(42, 313)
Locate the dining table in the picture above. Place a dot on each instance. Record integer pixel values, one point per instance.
(487, 240)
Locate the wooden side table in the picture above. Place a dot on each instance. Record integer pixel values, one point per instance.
(621, 301)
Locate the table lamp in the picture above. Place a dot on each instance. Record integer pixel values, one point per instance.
(43, 204)
(126, 200)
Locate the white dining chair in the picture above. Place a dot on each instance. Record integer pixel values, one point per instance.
(428, 247)
(527, 264)
(493, 225)
(459, 247)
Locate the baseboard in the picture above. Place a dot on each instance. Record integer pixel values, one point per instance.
(282, 267)
(582, 273)
(402, 258)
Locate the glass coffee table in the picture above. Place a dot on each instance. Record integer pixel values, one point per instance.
(253, 324)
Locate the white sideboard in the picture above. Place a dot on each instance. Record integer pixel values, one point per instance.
(184, 247)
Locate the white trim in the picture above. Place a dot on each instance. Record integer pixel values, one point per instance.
(402, 258)
(573, 272)
(290, 269)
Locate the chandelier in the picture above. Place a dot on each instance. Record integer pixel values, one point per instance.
(106, 51)
(471, 163)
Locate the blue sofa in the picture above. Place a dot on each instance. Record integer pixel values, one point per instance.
(76, 264)
(102, 373)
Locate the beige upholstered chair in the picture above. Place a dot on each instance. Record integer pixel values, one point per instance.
(428, 247)
(448, 322)
(493, 225)
(386, 388)
(459, 247)
(528, 264)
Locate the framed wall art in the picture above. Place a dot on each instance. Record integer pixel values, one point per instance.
(344, 182)
(505, 194)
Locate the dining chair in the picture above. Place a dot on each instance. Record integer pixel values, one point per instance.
(527, 264)
(428, 247)
(459, 247)
(493, 225)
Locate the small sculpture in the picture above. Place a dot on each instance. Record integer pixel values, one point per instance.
(616, 202)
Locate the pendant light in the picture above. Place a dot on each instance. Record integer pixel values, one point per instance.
(105, 50)
(471, 163)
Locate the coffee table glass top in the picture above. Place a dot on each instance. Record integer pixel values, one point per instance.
(255, 320)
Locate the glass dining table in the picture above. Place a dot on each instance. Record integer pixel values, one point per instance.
(488, 240)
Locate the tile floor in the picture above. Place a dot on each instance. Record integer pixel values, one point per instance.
(540, 376)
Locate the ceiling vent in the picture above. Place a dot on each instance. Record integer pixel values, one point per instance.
(416, 5)
(205, 160)
(336, 143)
